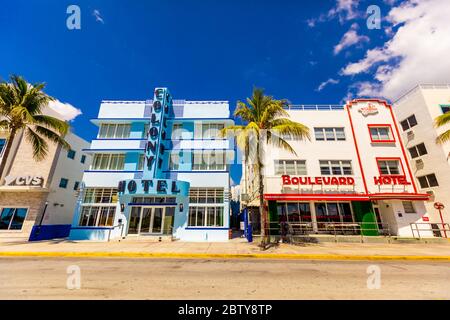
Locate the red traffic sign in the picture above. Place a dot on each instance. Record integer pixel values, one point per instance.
(439, 206)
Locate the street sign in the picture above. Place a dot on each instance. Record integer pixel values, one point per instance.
(439, 206)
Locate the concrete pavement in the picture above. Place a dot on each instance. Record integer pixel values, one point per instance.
(233, 249)
(124, 278)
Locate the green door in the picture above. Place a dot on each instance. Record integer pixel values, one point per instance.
(364, 213)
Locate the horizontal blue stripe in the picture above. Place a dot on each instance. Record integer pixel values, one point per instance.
(152, 204)
(204, 228)
(119, 139)
(109, 171)
(92, 228)
(98, 150)
(196, 171)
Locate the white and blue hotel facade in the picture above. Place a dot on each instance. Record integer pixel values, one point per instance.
(159, 168)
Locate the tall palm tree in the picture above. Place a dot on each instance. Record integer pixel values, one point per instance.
(21, 107)
(265, 121)
(441, 121)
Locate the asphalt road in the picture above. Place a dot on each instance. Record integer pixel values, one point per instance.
(48, 278)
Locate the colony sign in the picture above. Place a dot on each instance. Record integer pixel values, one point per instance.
(33, 181)
(342, 181)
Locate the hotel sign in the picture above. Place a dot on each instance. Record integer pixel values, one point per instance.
(370, 109)
(341, 181)
(33, 181)
(391, 180)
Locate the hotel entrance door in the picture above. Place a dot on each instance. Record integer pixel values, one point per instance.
(147, 220)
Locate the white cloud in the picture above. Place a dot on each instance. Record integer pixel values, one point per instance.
(349, 39)
(345, 10)
(417, 52)
(60, 110)
(326, 83)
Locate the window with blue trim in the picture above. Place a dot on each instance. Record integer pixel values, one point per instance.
(445, 108)
(63, 183)
(71, 154)
(83, 159)
(12, 218)
(2, 145)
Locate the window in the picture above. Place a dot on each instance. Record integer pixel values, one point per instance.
(141, 162)
(146, 128)
(336, 167)
(174, 161)
(428, 181)
(445, 108)
(206, 195)
(418, 151)
(177, 131)
(100, 195)
(114, 131)
(12, 218)
(294, 212)
(208, 130)
(71, 154)
(97, 216)
(389, 167)
(408, 207)
(208, 160)
(333, 212)
(381, 134)
(107, 161)
(409, 122)
(297, 167)
(63, 183)
(2, 146)
(205, 216)
(329, 134)
(76, 185)
(83, 159)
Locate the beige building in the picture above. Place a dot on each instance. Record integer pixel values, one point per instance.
(430, 162)
(29, 188)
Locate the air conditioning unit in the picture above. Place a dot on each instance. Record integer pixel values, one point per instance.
(410, 134)
(419, 164)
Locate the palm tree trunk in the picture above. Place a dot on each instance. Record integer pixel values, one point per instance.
(262, 212)
(8, 147)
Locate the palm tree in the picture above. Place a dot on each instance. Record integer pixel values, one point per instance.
(265, 122)
(441, 121)
(21, 107)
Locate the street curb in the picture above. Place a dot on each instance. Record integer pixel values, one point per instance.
(260, 256)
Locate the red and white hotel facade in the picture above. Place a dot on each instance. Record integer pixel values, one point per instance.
(353, 170)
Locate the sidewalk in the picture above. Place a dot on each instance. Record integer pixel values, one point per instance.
(237, 248)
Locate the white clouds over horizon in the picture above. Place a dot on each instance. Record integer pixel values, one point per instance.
(416, 53)
(61, 110)
(349, 39)
(326, 83)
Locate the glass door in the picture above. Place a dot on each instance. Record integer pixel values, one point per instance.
(135, 219)
(157, 220)
(147, 220)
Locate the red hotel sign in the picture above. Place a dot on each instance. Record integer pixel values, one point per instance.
(391, 180)
(342, 181)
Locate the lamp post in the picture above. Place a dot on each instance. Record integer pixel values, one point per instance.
(42, 218)
(440, 206)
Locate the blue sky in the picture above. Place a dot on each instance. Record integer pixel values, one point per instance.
(201, 50)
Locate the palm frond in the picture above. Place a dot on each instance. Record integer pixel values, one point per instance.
(52, 136)
(443, 138)
(279, 142)
(442, 120)
(39, 145)
(286, 127)
(54, 123)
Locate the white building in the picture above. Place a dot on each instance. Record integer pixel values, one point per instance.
(159, 169)
(37, 198)
(354, 174)
(430, 162)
